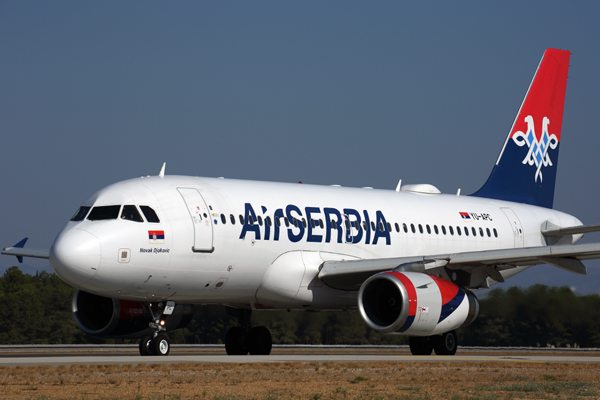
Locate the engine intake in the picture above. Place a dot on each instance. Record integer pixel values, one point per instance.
(415, 304)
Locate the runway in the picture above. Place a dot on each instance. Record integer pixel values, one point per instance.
(127, 354)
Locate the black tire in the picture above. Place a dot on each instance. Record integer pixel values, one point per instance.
(145, 346)
(235, 342)
(259, 341)
(445, 344)
(160, 345)
(420, 345)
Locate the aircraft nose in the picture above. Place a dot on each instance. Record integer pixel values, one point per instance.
(75, 256)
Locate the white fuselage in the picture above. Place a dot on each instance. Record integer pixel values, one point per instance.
(192, 256)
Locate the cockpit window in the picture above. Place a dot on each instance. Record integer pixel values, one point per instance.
(104, 212)
(150, 214)
(131, 213)
(81, 213)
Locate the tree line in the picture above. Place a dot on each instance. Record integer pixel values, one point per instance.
(36, 309)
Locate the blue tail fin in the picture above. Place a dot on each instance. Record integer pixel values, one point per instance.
(525, 171)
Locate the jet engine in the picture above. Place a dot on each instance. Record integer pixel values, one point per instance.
(415, 304)
(112, 318)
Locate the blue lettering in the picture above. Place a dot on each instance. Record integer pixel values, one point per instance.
(381, 223)
(328, 212)
(267, 227)
(294, 238)
(368, 227)
(310, 237)
(249, 226)
(278, 217)
(354, 222)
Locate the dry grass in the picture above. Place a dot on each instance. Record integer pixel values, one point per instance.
(316, 381)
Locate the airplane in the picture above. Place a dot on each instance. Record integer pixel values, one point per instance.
(142, 252)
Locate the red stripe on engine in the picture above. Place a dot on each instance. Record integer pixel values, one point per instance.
(447, 289)
(410, 290)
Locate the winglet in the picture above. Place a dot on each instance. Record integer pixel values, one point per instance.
(162, 170)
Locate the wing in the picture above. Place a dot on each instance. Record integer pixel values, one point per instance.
(20, 252)
(469, 269)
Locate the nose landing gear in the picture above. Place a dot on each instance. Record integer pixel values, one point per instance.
(157, 344)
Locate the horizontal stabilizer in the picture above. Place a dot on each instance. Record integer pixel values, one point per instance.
(20, 252)
(572, 230)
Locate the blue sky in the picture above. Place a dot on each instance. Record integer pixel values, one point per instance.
(350, 93)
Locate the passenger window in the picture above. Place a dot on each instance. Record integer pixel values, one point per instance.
(389, 226)
(321, 223)
(443, 229)
(412, 228)
(495, 233)
(405, 228)
(232, 219)
(312, 223)
(420, 228)
(397, 227)
(287, 221)
(223, 219)
(303, 222)
(250, 220)
(241, 220)
(104, 212)
(466, 231)
(334, 224)
(295, 222)
(481, 232)
(458, 231)
(373, 226)
(487, 230)
(259, 220)
(81, 213)
(474, 231)
(436, 230)
(428, 229)
(131, 213)
(347, 223)
(451, 230)
(277, 221)
(268, 221)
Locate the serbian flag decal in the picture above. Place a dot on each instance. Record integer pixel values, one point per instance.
(156, 237)
(464, 215)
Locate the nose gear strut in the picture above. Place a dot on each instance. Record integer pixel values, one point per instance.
(157, 343)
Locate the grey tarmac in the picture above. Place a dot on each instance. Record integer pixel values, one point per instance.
(55, 355)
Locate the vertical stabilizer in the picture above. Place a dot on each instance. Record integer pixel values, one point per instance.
(525, 171)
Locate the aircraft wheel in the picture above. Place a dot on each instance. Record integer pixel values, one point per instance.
(145, 346)
(445, 344)
(259, 341)
(235, 343)
(420, 345)
(160, 345)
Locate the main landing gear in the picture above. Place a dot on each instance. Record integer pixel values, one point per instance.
(444, 344)
(241, 340)
(157, 344)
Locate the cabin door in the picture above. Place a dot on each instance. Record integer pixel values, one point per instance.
(201, 220)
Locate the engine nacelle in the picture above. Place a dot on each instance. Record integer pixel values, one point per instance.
(415, 304)
(112, 318)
